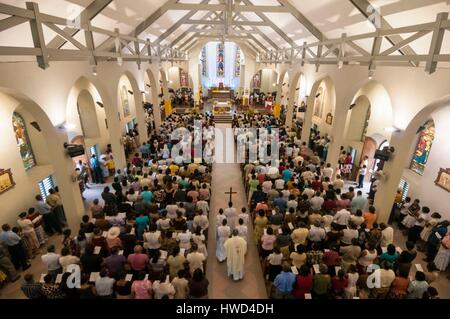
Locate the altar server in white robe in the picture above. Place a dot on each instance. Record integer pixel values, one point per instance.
(236, 248)
(231, 215)
(223, 233)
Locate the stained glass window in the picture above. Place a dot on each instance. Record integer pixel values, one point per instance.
(23, 141)
(203, 59)
(420, 157)
(237, 71)
(220, 60)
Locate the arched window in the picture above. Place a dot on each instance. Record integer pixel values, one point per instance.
(23, 141)
(422, 152)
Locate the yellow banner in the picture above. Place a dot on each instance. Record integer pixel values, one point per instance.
(168, 107)
(276, 110)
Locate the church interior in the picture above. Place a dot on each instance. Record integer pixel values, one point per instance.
(135, 134)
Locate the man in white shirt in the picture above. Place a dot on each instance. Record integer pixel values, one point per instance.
(266, 186)
(309, 192)
(342, 217)
(104, 285)
(317, 202)
(316, 233)
(328, 172)
(51, 261)
(387, 235)
(279, 184)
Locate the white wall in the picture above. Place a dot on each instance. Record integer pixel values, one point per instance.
(21, 197)
(423, 187)
(268, 78)
(174, 77)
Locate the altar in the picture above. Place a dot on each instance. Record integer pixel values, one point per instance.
(220, 93)
(221, 107)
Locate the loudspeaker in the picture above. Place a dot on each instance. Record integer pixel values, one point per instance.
(36, 126)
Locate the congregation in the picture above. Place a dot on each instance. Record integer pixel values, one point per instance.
(318, 239)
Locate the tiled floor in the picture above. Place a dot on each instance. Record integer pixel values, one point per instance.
(252, 286)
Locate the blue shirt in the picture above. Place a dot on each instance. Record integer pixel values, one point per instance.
(142, 222)
(287, 175)
(144, 149)
(9, 238)
(147, 196)
(433, 239)
(285, 281)
(43, 208)
(281, 203)
(94, 163)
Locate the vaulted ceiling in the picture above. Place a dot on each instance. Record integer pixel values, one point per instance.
(263, 24)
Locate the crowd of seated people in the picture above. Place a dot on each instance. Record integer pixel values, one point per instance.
(145, 239)
(319, 239)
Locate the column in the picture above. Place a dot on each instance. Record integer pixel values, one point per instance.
(307, 122)
(393, 169)
(69, 190)
(337, 133)
(115, 135)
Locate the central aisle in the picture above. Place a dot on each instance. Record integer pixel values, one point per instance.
(252, 286)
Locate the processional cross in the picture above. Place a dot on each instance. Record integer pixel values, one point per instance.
(231, 193)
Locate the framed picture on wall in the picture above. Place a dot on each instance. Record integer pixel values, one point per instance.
(443, 179)
(329, 119)
(6, 180)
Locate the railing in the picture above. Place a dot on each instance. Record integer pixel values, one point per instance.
(324, 52)
(127, 48)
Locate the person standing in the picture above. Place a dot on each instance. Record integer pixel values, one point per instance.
(51, 224)
(32, 289)
(15, 248)
(54, 201)
(231, 215)
(223, 232)
(421, 220)
(284, 283)
(27, 227)
(51, 260)
(362, 176)
(6, 265)
(97, 175)
(236, 249)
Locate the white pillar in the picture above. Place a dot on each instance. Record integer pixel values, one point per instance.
(69, 190)
(385, 195)
(115, 135)
(337, 133)
(307, 122)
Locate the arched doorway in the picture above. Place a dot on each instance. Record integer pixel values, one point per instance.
(368, 118)
(131, 106)
(319, 116)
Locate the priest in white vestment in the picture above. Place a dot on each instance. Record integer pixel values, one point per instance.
(235, 248)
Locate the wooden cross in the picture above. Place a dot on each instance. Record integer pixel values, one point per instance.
(231, 193)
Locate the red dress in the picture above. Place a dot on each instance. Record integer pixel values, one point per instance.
(303, 286)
